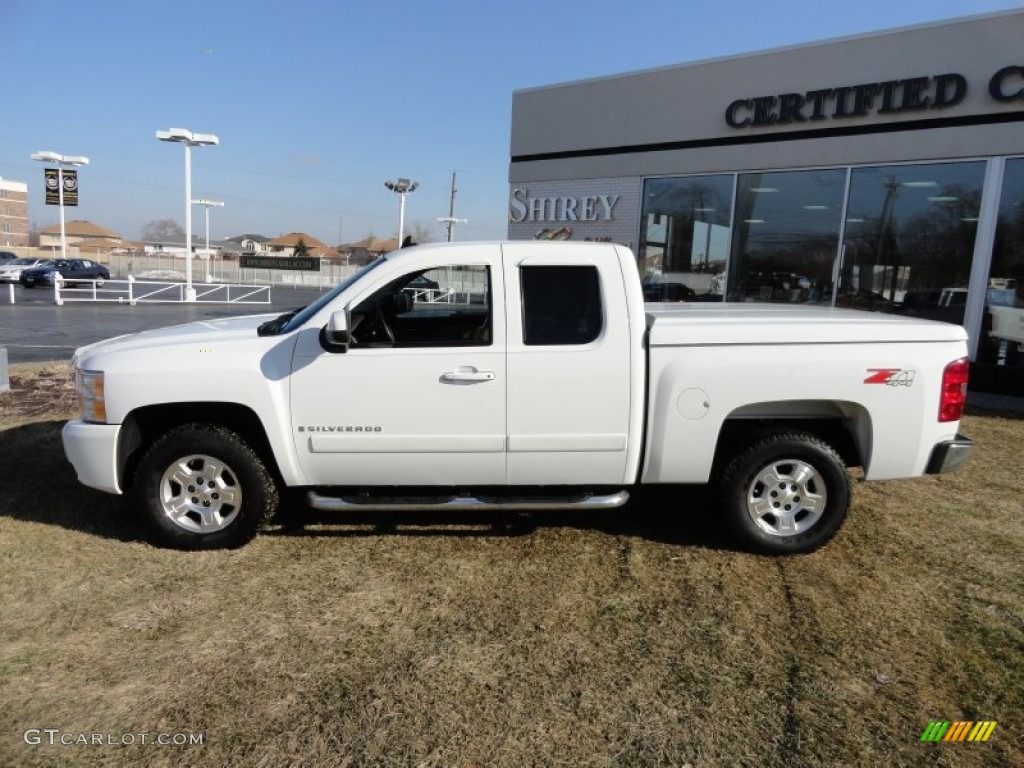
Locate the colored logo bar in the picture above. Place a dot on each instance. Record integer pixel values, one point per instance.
(960, 730)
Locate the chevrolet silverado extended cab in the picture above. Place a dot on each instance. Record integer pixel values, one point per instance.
(517, 375)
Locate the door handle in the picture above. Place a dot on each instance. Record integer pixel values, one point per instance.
(466, 376)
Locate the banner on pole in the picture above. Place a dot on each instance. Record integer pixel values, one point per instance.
(52, 178)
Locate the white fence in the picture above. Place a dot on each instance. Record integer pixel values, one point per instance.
(216, 268)
(133, 291)
(221, 270)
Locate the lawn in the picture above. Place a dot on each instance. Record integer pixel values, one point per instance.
(638, 637)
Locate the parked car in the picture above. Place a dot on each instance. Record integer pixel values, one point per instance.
(863, 299)
(7, 256)
(657, 291)
(10, 271)
(70, 269)
(422, 283)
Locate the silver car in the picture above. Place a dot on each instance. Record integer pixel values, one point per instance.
(11, 271)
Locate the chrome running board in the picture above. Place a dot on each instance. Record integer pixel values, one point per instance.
(518, 504)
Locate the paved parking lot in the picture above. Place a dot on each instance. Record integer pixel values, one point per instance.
(35, 329)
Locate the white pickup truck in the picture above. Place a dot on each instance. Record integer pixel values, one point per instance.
(516, 375)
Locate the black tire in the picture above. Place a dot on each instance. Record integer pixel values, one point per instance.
(200, 486)
(785, 493)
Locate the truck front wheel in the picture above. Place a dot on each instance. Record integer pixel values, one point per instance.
(201, 486)
(785, 493)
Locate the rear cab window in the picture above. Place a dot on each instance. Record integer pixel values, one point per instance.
(561, 304)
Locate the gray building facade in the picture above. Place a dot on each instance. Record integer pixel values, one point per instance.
(883, 172)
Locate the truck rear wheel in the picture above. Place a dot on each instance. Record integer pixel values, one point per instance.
(785, 493)
(202, 487)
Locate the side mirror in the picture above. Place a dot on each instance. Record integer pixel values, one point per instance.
(336, 337)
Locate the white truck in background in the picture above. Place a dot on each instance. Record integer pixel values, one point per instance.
(518, 375)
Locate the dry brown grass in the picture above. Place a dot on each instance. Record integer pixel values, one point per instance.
(37, 391)
(636, 638)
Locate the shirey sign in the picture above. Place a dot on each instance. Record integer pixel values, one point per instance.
(563, 208)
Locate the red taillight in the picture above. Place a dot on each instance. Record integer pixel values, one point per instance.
(954, 390)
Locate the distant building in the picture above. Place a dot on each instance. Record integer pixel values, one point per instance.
(176, 247)
(286, 245)
(366, 250)
(80, 233)
(247, 243)
(13, 213)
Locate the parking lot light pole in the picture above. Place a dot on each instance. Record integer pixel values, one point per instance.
(402, 187)
(61, 161)
(189, 140)
(207, 204)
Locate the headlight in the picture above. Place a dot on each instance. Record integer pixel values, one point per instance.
(89, 385)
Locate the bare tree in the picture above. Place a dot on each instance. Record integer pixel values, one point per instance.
(420, 232)
(163, 230)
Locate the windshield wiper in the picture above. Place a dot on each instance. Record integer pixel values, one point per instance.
(273, 327)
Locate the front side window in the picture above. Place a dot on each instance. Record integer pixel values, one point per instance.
(561, 304)
(441, 307)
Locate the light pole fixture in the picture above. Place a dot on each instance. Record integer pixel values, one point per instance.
(190, 140)
(208, 204)
(402, 187)
(61, 161)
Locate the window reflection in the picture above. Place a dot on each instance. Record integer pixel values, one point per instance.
(786, 236)
(684, 242)
(908, 239)
(1002, 341)
(909, 242)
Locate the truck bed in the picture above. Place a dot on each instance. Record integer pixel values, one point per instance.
(714, 324)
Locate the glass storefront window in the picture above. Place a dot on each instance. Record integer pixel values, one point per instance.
(896, 238)
(1002, 339)
(910, 232)
(684, 238)
(786, 236)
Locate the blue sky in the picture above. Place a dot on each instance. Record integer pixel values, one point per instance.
(317, 103)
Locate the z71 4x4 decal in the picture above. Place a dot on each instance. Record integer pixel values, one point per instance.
(893, 377)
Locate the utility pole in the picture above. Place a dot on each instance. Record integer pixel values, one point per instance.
(450, 221)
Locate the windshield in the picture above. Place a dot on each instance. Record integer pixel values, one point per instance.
(299, 318)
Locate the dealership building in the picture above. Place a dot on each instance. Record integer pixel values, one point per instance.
(882, 171)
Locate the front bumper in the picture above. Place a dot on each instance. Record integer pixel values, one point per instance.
(39, 278)
(950, 455)
(92, 451)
